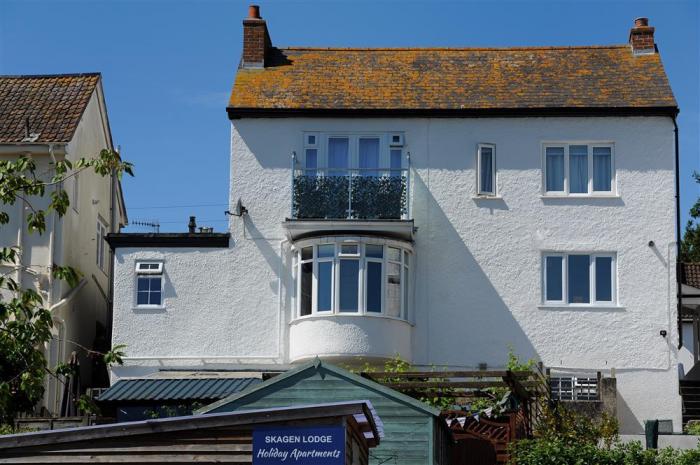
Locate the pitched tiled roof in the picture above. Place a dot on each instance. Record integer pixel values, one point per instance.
(54, 105)
(690, 274)
(483, 79)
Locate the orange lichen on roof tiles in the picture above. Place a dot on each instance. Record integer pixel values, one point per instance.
(453, 79)
(52, 104)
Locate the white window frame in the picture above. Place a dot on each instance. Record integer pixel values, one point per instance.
(101, 232)
(362, 280)
(590, 145)
(479, 190)
(321, 147)
(155, 269)
(592, 279)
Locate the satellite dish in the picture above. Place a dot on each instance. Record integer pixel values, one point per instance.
(240, 210)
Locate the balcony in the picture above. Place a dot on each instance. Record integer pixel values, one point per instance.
(356, 194)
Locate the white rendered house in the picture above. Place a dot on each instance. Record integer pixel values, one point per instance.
(439, 204)
(51, 118)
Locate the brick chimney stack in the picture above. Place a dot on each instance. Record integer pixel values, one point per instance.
(256, 40)
(642, 37)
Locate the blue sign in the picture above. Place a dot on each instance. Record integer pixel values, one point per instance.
(300, 445)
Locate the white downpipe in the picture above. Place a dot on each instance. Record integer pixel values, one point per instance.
(280, 324)
(72, 293)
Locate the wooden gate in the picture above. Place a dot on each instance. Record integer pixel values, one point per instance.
(471, 451)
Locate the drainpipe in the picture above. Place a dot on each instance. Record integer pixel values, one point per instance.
(51, 238)
(112, 229)
(678, 236)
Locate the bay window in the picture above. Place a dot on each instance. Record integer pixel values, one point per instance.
(579, 279)
(578, 169)
(352, 276)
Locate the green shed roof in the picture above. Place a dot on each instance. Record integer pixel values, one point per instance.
(175, 389)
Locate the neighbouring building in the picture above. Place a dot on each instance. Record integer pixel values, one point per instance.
(51, 118)
(440, 204)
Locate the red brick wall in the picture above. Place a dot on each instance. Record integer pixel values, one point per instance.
(256, 41)
(642, 38)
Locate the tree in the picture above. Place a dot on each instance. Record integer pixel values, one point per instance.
(25, 325)
(690, 245)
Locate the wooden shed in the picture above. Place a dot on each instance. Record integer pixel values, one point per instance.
(322, 434)
(414, 433)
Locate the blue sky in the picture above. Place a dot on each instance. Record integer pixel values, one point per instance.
(168, 67)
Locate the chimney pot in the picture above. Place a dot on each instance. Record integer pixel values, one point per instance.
(254, 12)
(641, 22)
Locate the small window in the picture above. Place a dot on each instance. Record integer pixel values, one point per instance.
(579, 279)
(100, 243)
(149, 284)
(486, 167)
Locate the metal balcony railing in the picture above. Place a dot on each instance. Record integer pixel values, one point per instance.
(574, 388)
(357, 194)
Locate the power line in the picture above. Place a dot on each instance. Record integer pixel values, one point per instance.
(180, 206)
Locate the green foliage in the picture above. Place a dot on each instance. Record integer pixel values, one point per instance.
(693, 427)
(568, 438)
(25, 325)
(87, 405)
(690, 245)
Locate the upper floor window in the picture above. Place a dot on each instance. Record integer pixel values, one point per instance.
(100, 243)
(486, 169)
(352, 276)
(149, 284)
(578, 169)
(579, 279)
(371, 154)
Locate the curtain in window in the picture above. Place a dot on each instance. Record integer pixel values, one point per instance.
(486, 168)
(395, 162)
(602, 169)
(369, 157)
(554, 169)
(578, 169)
(338, 156)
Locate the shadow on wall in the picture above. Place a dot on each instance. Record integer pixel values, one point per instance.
(629, 423)
(469, 323)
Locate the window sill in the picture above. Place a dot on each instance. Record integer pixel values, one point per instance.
(348, 314)
(580, 196)
(138, 308)
(584, 308)
(487, 197)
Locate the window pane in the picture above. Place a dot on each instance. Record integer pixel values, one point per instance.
(305, 291)
(394, 254)
(602, 169)
(325, 285)
(486, 170)
(603, 279)
(349, 249)
(578, 169)
(338, 156)
(554, 169)
(369, 157)
(155, 298)
(311, 140)
(406, 282)
(311, 161)
(326, 250)
(393, 290)
(553, 272)
(143, 284)
(374, 251)
(349, 278)
(142, 298)
(405, 258)
(395, 162)
(579, 279)
(307, 253)
(374, 287)
(155, 284)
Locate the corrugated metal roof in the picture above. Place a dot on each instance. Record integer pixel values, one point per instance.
(176, 389)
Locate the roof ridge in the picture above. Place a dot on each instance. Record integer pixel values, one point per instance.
(454, 49)
(46, 76)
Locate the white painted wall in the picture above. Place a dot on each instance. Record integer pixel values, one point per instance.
(478, 275)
